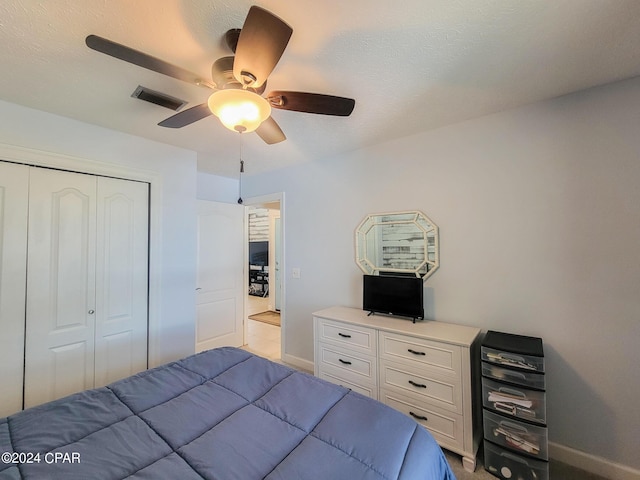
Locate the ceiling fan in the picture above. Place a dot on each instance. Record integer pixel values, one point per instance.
(238, 80)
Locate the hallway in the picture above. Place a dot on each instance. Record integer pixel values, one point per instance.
(262, 339)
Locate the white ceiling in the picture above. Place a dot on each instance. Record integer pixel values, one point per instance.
(411, 65)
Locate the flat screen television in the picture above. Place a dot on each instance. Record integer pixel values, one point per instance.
(393, 295)
(259, 253)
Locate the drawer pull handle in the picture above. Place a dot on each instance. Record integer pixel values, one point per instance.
(415, 352)
(346, 362)
(418, 417)
(344, 335)
(419, 385)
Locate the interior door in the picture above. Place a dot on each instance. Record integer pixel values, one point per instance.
(121, 279)
(60, 307)
(220, 283)
(14, 191)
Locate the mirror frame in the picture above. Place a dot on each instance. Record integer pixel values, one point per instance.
(372, 220)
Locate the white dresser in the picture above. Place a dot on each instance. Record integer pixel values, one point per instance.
(422, 369)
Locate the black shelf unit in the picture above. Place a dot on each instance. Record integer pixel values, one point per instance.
(258, 281)
(514, 406)
(259, 268)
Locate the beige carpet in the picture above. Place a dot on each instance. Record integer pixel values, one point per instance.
(272, 318)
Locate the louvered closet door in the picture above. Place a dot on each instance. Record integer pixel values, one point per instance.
(86, 322)
(14, 188)
(60, 320)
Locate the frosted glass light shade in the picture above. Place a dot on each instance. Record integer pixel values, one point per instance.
(239, 110)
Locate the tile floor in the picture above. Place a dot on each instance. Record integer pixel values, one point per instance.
(262, 339)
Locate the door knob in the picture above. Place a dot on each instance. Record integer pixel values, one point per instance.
(91, 312)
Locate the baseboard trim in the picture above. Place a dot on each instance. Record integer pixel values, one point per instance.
(592, 463)
(297, 362)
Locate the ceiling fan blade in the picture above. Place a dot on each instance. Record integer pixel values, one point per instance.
(311, 103)
(231, 38)
(270, 132)
(262, 41)
(186, 117)
(143, 60)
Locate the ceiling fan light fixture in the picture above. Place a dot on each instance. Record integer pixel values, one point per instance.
(239, 110)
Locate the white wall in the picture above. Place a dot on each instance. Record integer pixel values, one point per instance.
(539, 216)
(217, 189)
(57, 141)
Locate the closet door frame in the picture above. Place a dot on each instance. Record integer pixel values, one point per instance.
(13, 276)
(37, 158)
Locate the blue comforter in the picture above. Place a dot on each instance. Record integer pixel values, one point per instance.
(222, 414)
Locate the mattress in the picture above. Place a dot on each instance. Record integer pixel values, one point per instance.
(222, 414)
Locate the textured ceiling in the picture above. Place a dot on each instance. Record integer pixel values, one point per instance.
(427, 64)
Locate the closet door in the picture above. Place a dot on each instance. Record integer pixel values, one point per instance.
(14, 191)
(121, 282)
(60, 324)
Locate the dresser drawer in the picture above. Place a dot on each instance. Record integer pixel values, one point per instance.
(351, 336)
(423, 368)
(446, 427)
(513, 360)
(515, 435)
(515, 401)
(338, 378)
(441, 391)
(519, 377)
(442, 356)
(362, 366)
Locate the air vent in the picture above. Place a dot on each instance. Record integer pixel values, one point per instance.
(167, 101)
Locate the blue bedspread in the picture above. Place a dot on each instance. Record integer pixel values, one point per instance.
(222, 414)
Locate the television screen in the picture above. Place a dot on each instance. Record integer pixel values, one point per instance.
(394, 295)
(259, 253)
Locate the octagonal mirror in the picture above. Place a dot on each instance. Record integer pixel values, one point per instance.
(405, 243)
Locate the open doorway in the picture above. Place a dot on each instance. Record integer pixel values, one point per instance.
(263, 299)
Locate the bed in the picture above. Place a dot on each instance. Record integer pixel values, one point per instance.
(222, 414)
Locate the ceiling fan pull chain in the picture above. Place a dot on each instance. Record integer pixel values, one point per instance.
(240, 201)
